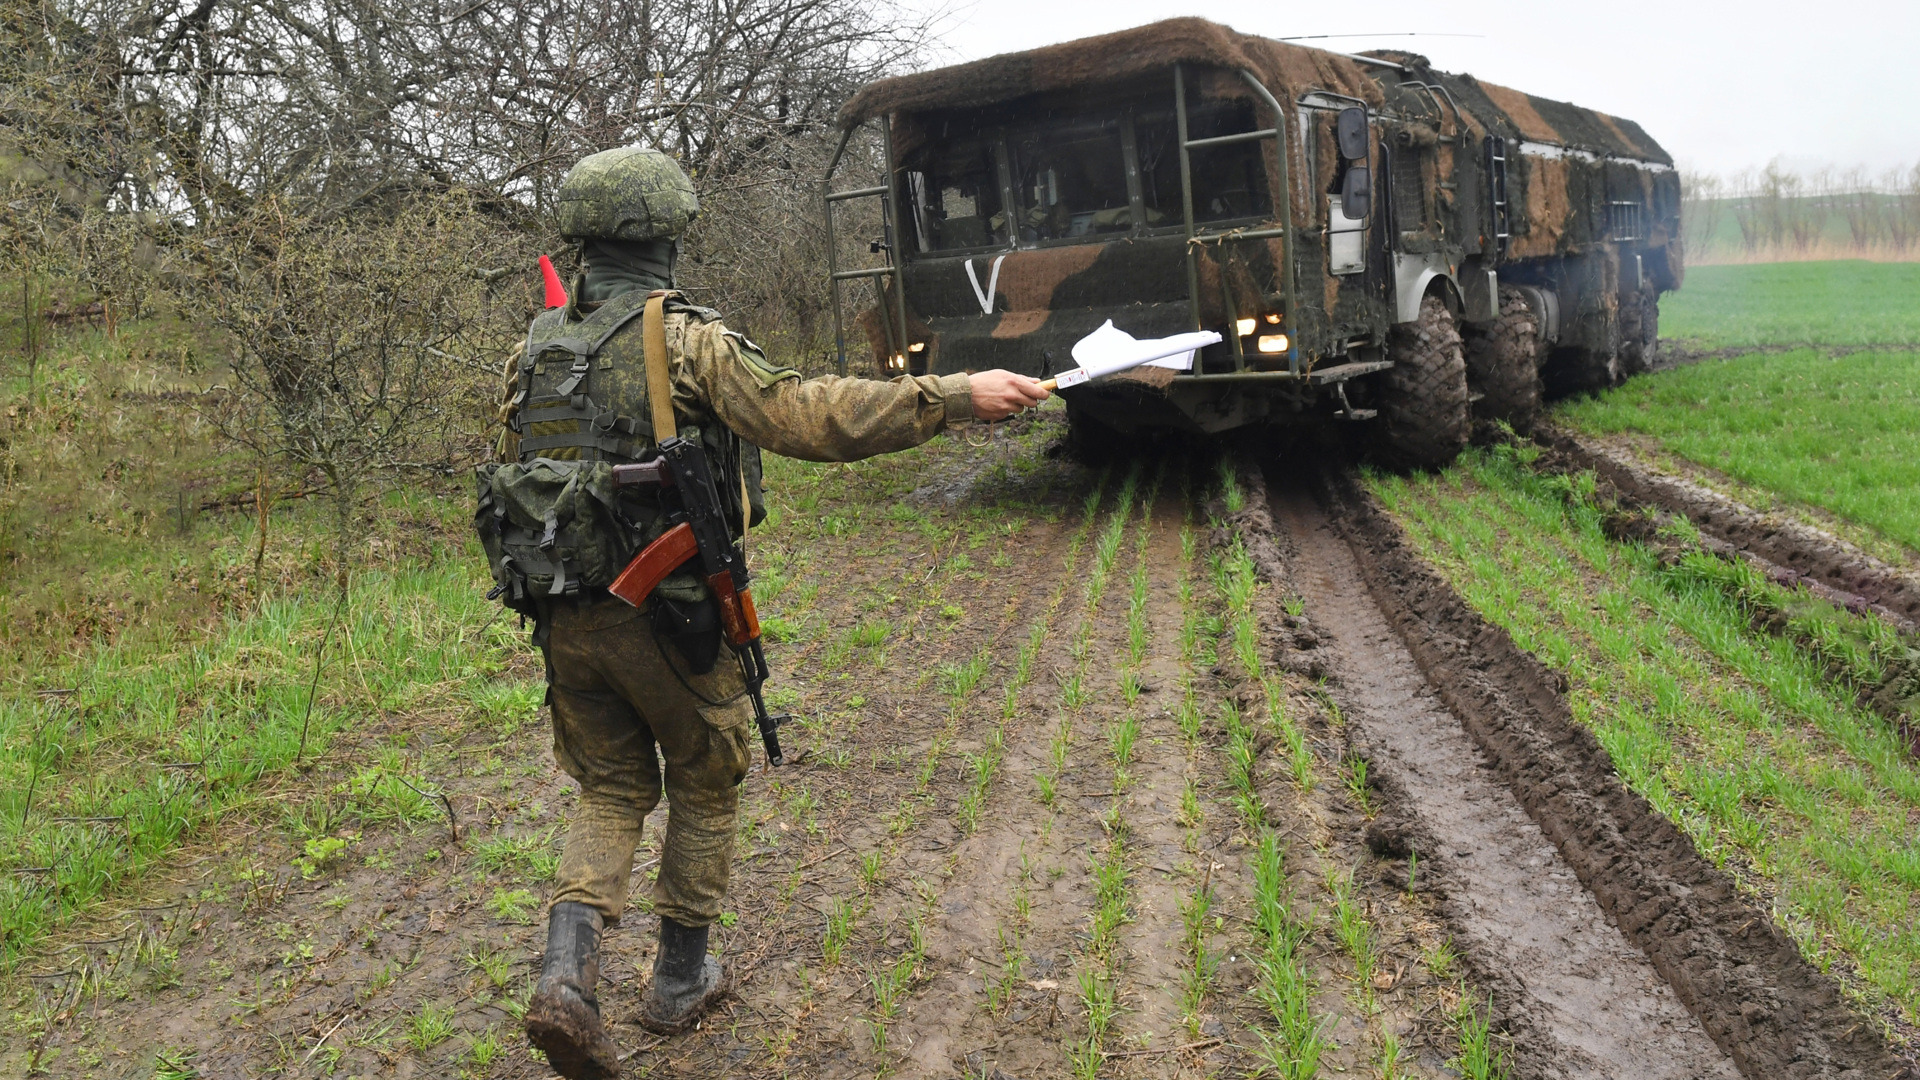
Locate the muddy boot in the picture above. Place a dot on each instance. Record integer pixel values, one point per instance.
(685, 980)
(563, 1019)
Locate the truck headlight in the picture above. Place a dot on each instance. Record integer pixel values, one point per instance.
(1272, 343)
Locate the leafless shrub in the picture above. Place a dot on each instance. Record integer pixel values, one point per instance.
(353, 193)
(194, 111)
(365, 347)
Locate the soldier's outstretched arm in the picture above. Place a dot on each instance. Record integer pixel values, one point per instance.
(831, 418)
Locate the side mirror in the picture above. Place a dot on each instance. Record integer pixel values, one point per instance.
(1356, 193)
(1351, 130)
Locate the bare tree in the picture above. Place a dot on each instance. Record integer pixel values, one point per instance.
(196, 110)
(1703, 202)
(1902, 192)
(365, 347)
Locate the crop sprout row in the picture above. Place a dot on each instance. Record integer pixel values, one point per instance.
(1197, 910)
(983, 767)
(1237, 581)
(1125, 732)
(892, 983)
(1286, 984)
(1074, 690)
(1102, 968)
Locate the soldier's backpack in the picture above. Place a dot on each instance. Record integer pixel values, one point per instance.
(551, 522)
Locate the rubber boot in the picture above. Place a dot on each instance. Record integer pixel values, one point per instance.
(563, 1019)
(685, 980)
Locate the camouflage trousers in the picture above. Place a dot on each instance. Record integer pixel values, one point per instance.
(619, 716)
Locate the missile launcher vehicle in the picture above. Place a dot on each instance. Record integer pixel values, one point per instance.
(1439, 247)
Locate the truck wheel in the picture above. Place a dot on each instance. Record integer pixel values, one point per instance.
(1503, 363)
(1639, 331)
(1577, 369)
(1424, 419)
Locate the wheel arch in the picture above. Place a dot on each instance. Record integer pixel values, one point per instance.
(1416, 277)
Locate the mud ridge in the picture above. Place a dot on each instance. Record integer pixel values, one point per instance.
(1729, 964)
(1673, 354)
(1577, 999)
(1843, 573)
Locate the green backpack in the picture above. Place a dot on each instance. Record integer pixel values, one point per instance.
(552, 523)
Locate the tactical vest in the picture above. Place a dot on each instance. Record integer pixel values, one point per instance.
(551, 522)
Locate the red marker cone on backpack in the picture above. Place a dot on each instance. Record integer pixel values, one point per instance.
(556, 293)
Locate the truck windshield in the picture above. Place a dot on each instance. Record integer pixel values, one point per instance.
(955, 196)
(1229, 182)
(1072, 182)
(1069, 176)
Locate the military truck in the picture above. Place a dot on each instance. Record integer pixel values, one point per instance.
(1440, 247)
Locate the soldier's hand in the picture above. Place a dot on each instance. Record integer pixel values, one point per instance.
(999, 394)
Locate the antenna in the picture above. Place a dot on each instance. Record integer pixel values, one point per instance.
(1323, 37)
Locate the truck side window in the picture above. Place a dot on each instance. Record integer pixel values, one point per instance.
(1071, 182)
(1229, 182)
(954, 192)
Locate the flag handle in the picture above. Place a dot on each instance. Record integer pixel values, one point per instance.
(1049, 385)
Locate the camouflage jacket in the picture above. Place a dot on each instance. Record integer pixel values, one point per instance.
(718, 374)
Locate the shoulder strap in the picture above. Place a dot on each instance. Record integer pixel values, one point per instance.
(611, 317)
(653, 337)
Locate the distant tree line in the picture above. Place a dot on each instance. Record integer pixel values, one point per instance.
(1778, 213)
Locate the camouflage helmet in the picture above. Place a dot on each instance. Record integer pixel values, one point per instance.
(628, 193)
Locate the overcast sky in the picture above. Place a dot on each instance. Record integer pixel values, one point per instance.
(1722, 86)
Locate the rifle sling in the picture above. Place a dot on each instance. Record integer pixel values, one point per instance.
(653, 338)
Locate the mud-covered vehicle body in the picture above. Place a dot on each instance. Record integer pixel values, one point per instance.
(1443, 239)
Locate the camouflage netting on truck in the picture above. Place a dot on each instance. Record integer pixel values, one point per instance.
(1133, 177)
(1288, 70)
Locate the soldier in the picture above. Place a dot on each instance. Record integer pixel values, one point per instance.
(635, 689)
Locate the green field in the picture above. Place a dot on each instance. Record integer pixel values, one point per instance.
(1836, 432)
(1825, 303)
(1731, 704)
(1739, 736)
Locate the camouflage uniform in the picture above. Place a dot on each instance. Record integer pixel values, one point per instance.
(630, 702)
(613, 696)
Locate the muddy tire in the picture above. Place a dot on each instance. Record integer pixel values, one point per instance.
(1639, 331)
(1503, 364)
(1576, 369)
(1424, 418)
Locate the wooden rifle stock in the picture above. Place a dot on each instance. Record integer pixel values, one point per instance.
(737, 616)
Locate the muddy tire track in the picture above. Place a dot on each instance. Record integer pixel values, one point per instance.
(1860, 579)
(1580, 1000)
(1724, 958)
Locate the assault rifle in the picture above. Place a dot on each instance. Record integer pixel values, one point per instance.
(699, 531)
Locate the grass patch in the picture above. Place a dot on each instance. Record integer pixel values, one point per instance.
(1739, 737)
(1832, 432)
(153, 745)
(1845, 302)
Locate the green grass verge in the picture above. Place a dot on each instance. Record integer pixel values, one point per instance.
(1737, 736)
(1832, 432)
(1829, 303)
(149, 746)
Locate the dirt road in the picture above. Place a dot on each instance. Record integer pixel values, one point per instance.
(1101, 773)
